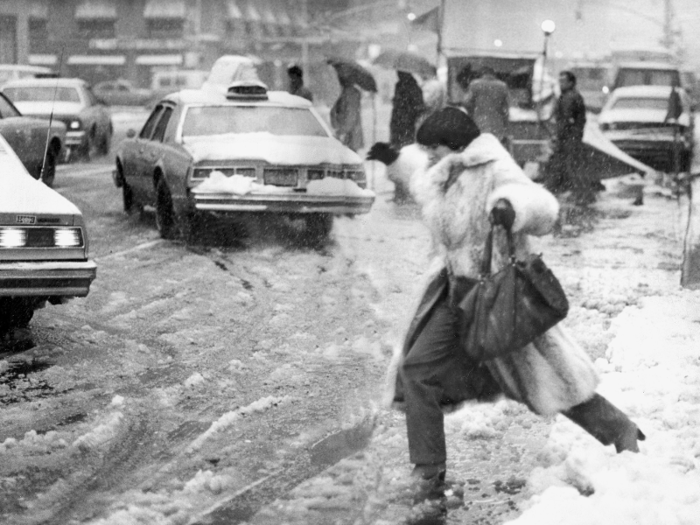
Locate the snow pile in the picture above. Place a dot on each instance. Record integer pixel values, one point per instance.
(652, 373)
(333, 186)
(229, 418)
(102, 434)
(33, 443)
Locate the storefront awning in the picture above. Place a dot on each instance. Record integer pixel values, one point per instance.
(39, 9)
(233, 10)
(92, 9)
(159, 60)
(43, 60)
(97, 60)
(164, 9)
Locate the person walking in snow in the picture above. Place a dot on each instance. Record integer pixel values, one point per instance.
(407, 107)
(346, 115)
(472, 181)
(565, 169)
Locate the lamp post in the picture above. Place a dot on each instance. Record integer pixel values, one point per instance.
(547, 27)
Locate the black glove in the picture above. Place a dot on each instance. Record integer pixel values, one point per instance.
(503, 214)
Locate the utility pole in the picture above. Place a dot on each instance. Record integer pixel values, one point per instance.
(668, 37)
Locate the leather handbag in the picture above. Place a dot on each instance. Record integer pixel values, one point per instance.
(507, 310)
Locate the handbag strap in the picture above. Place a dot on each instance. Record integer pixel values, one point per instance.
(488, 250)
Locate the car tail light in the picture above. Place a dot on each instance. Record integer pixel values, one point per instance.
(41, 237)
(246, 172)
(355, 175)
(281, 176)
(12, 237)
(67, 237)
(75, 125)
(315, 174)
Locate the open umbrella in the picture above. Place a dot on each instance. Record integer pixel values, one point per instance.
(405, 61)
(353, 71)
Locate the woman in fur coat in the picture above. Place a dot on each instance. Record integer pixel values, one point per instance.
(471, 182)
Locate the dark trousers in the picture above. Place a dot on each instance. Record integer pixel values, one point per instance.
(436, 372)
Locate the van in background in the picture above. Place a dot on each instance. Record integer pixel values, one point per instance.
(165, 82)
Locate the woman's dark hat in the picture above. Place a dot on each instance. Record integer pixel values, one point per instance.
(449, 127)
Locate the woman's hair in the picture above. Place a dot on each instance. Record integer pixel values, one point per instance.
(449, 127)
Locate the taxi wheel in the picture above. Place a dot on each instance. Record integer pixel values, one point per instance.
(15, 312)
(165, 216)
(130, 203)
(319, 225)
(105, 142)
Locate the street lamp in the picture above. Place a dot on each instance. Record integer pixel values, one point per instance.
(548, 27)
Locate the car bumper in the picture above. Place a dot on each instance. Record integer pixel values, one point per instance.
(70, 278)
(655, 153)
(291, 203)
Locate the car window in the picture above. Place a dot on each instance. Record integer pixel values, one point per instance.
(648, 77)
(216, 120)
(641, 103)
(106, 87)
(147, 129)
(42, 94)
(159, 132)
(7, 110)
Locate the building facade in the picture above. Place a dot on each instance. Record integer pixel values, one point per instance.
(106, 39)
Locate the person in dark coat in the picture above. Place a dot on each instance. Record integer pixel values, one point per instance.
(346, 115)
(296, 83)
(565, 170)
(473, 181)
(407, 107)
(487, 103)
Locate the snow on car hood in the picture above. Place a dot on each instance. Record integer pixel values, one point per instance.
(45, 108)
(21, 193)
(270, 148)
(217, 182)
(639, 115)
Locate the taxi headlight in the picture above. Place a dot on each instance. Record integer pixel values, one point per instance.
(12, 237)
(67, 237)
(74, 124)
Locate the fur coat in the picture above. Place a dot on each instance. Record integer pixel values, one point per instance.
(550, 375)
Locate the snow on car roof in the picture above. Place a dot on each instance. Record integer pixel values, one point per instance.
(202, 96)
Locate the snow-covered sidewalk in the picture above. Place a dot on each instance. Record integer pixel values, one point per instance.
(509, 466)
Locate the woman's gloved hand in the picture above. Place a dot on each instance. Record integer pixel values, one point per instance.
(502, 214)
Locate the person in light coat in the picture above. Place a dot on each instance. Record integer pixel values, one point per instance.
(473, 181)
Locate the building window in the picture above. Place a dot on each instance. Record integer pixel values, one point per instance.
(38, 35)
(96, 28)
(166, 28)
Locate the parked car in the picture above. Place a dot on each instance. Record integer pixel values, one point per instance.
(121, 92)
(71, 101)
(249, 150)
(646, 74)
(635, 120)
(10, 72)
(165, 82)
(43, 245)
(37, 147)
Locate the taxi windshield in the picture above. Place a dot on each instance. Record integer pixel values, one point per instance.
(42, 94)
(216, 120)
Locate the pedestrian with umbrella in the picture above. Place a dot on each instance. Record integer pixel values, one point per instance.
(408, 103)
(346, 113)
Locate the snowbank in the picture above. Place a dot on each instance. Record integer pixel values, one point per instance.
(653, 372)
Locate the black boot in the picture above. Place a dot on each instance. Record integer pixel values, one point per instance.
(607, 423)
